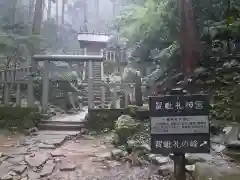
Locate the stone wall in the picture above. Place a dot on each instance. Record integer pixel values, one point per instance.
(102, 119)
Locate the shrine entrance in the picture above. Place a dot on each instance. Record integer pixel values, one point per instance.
(46, 59)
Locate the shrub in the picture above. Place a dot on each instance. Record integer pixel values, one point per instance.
(17, 118)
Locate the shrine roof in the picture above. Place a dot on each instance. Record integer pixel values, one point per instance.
(90, 37)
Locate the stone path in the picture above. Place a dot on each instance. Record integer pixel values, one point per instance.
(60, 155)
(80, 116)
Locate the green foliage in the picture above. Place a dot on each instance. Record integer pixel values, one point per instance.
(152, 30)
(125, 127)
(19, 118)
(152, 25)
(16, 41)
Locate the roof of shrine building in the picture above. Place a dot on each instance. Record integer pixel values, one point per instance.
(94, 37)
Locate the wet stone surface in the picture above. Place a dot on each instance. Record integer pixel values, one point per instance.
(59, 155)
(87, 158)
(67, 166)
(36, 159)
(64, 156)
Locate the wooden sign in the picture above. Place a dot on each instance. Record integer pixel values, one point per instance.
(179, 124)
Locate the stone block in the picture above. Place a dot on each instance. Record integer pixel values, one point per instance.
(223, 171)
(100, 119)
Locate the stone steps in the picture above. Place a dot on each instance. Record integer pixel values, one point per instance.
(97, 103)
(96, 67)
(60, 125)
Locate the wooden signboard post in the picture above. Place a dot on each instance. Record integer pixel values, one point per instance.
(179, 125)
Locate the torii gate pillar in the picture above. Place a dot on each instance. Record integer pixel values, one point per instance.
(45, 85)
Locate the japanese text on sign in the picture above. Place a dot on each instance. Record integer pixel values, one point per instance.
(180, 144)
(179, 125)
(178, 106)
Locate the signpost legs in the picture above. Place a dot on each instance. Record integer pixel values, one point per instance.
(179, 166)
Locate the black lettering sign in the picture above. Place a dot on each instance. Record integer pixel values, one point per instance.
(180, 124)
(179, 105)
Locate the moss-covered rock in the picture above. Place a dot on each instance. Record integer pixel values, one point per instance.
(125, 127)
(138, 112)
(132, 110)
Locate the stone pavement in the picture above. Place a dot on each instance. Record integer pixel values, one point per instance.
(31, 158)
(58, 155)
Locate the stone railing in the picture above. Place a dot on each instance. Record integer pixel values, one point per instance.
(112, 56)
(14, 78)
(18, 75)
(128, 90)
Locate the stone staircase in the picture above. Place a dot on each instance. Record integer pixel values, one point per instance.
(74, 122)
(60, 125)
(96, 85)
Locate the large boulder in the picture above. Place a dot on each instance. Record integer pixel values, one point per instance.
(222, 171)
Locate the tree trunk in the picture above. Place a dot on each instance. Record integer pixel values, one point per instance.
(97, 12)
(63, 10)
(49, 10)
(13, 9)
(189, 40)
(114, 7)
(57, 21)
(30, 10)
(37, 21)
(85, 16)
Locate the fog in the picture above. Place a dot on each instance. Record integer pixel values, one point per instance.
(98, 18)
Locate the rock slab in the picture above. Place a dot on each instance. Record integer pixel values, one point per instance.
(67, 166)
(47, 169)
(37, 159)
(19, 169)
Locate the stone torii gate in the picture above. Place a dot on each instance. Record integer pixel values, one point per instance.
(67, 58)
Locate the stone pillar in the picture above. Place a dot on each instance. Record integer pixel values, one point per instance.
(103, 92)
(126, 98)
(132, 93)
(33, 69)
(45, 85)
(6, 89)
(18, 98)
(114, 101)
(6, 94)
(85, 64)
(71, 99)
(103, 89)
(90, 84)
